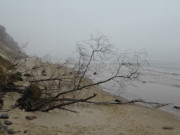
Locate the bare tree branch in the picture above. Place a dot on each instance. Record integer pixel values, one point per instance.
(59, 86)
(73, 102)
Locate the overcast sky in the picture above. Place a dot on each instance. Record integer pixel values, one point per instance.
(53, 26)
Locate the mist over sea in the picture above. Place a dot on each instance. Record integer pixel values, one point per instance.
(169, 67)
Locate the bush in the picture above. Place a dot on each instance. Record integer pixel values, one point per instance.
(33, 92)
(30, 97)
(16, 77)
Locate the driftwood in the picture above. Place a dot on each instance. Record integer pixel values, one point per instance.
(177, 107)
(153, 104)
(117, 101)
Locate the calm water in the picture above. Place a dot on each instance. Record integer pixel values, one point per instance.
(157, 82)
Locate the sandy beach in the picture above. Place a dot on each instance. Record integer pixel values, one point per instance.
(129, 119)
(91, 119)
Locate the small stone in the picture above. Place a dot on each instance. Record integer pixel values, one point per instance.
(10, 131)
(18, 131)
(4, 116)
(31, 117)
(7, 122)
(168, 128)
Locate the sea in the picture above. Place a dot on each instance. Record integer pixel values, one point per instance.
(157, 82)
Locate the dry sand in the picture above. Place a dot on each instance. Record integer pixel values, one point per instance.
(91, 119)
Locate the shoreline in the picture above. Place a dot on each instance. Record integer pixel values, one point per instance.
(122, 119)
(155, 86)
(163, 108)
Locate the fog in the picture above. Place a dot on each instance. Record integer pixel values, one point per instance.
(53, 26)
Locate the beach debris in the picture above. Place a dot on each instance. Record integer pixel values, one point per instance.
(28, 75)
(94, 73)
(7, 122)
(167, 128)
(152, 104)
(10, 131)
(4, 116)
(177, 107)
(43, 73)
(31, 117)
(118, 101)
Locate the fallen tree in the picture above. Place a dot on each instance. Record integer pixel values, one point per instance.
(52, 86)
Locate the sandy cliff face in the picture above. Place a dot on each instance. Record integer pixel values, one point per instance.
(6, 52)
(4, 65)
(9, 48)
(7, 40)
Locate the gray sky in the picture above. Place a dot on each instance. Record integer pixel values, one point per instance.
(53, 26)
